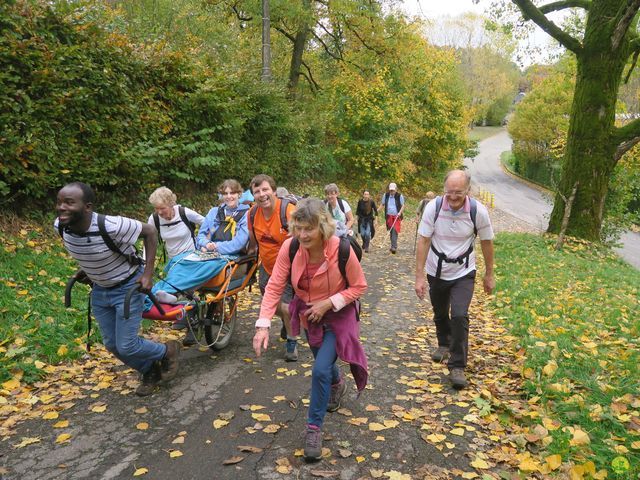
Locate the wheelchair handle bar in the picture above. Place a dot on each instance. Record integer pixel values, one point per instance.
(127, 301)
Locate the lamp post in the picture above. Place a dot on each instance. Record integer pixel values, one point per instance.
(266, 42)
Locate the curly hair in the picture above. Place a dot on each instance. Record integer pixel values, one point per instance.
(163, 196)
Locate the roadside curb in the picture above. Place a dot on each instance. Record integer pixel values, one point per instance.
(531, 183)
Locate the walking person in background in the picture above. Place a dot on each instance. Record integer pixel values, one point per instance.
(447, 233)
(366, 212)
(393, 203)
(104, 247)
(269, 228)
(339, 209)
(324, 304)
(423, 203)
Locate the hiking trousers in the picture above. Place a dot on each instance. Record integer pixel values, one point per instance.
(450, 300)
(119, 335)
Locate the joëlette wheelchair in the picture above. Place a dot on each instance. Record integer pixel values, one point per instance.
(211, 311)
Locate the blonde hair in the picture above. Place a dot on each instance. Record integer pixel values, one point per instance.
(163, 196)
(312, 211)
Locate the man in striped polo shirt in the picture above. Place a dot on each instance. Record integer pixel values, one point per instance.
(445, 251)
(113, 270)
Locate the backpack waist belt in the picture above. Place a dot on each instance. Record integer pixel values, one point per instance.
(464, 258)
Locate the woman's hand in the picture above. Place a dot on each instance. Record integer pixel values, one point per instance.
(211, 247)
(317, 309)
(261, 340)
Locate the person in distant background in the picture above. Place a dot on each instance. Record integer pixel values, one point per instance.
(393, 203)
(366, 212)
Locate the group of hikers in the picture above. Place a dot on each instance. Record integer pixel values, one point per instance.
(310, 273)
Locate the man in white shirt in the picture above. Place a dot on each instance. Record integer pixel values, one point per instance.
(104, 246)
(445, 251)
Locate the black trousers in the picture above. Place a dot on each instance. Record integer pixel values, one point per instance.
(450, 300)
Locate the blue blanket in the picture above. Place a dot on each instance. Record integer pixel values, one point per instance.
(184, 273)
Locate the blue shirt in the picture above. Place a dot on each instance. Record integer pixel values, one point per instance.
(391, 206)
(210, 225)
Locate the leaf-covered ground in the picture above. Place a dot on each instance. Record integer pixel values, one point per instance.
(229, 415)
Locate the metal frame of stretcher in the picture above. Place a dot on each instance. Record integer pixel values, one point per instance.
(213, 311)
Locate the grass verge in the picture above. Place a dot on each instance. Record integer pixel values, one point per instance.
(482, 133)
(576, 314)
(34, 325)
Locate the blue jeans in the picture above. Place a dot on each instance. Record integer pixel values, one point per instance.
(120, 336)
(365, 233)
(325, 372)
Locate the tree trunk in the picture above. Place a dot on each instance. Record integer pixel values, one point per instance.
(299, 45)
(590, 151)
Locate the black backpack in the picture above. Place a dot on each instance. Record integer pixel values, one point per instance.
(344, 252)
(183, 218)
(464, 258)
(221, 235)
(132, 258)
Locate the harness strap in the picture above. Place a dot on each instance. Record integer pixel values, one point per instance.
(89, 323)
(464, 258)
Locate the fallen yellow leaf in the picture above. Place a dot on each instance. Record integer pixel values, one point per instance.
(63, 437)
(175, 453)
(458, 431)
(553, 461)
(61, 424)
(140, 471)
(217, 423)
(50, 416)
(580, 437)
(479, 464)
(142, 426)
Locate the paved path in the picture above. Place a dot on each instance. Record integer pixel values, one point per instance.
(525, 202)
(408, 421)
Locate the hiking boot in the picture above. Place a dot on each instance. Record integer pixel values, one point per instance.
(149, 381)
(170, 361)
(457, 378)
(179, 324)
(393, 250)
(189, 338)
(313, 443)
(439, 354)
(291, 351)
(337, 392)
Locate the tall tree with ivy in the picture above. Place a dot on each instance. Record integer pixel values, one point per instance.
(608, 43)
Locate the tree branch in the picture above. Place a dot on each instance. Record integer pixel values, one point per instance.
(285, 33)
(627, 133)
(624, 147)
(562, 4)
(362, 41)
(623, 23)
(533, 13)
(234, 7)
(335, 56)
(310, 79)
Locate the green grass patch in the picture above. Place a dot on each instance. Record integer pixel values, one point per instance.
(34, 325)
(576, 314)
(482, 133)
(507, 159)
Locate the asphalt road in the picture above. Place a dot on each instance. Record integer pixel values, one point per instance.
(523, 201)
(110, 443)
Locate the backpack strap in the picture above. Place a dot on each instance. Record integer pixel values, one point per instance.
(284, 203)
(132, 258)
(438, 207)
(344, 251)
(156, 221)
(473, 212)
(192, 229)
(294, 246)
(341, 205)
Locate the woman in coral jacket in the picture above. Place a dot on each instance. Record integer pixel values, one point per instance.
(325, 304)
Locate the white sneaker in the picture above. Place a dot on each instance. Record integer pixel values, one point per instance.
(164, 297)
